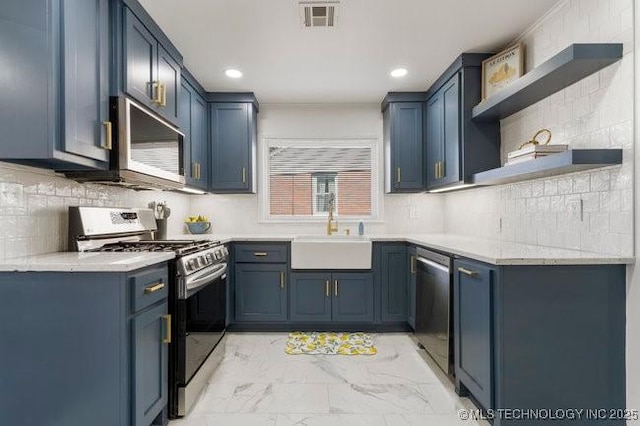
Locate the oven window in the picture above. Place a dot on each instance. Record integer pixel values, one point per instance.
(206, 312)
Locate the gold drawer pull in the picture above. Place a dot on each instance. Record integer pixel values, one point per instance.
(244, 175)
(152, 288)
(281, 279)
(167, 337)
(326, 283)
(260, 253)
(468, 272)
(413, 264)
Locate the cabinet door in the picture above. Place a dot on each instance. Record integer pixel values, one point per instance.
(86, 77)
(406, 146)
(451, 130)
(434, 142)
(199, 146)
(393, 283)
(473, 328)
(150, 364)
(411, 291)
(352, 297)
(169, 83)
(27, 76)
(141, 61)
(231, 147)
(187, 93)
(310, 298)
(260, 291)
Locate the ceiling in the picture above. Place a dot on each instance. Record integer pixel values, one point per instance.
(284, 63)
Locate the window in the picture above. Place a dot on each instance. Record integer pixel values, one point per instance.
(303, 175)
(324, 185)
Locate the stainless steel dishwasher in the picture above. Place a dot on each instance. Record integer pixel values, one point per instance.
(434, 325)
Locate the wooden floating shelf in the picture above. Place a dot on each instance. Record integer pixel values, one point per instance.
(573, 160)
(564, 69)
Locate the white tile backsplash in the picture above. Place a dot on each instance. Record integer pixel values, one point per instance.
(590, 210)
(34, 205)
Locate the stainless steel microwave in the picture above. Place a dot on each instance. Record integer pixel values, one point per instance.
(146, 151)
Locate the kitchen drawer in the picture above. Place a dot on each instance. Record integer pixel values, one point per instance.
(261, 253)
(149, 286)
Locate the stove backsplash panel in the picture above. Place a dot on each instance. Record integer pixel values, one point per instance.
(34, 204)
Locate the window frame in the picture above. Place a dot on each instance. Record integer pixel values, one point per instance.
(264, 181)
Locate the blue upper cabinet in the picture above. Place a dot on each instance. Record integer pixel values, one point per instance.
(193, 121)
(457, 147)
(151, 68)
(443, 135)
(403, 139)
(233, 142)
(54, 97)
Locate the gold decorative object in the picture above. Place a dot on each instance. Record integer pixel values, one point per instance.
(535, 141)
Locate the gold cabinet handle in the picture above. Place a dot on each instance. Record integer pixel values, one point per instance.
(335, 288)
(398, 180)
(167, 337)
(326, 283)
(156, 93)
(152, 288)
(413, 264)
(281, 279)
(260, 253)
(164, 94)
(198, 171)
(468, 272)
(108, 129)
(244, 175)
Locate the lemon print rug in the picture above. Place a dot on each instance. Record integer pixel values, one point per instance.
(316, 343)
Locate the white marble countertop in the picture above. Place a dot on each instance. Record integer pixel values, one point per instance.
(490, 251)
(84, 262)
(485, 250)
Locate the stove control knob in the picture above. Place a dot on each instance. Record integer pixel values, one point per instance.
(216, 255)
(210, 257)
(193, 263)
(187, 266)
(203, 260)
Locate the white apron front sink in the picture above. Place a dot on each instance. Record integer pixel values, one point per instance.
(330, 252)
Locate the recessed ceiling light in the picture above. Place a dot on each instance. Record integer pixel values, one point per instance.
(231, 73)
(399, 72)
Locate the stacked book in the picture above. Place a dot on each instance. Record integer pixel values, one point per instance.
(531, 152)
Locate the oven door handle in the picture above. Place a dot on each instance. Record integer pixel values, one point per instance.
(218, 271)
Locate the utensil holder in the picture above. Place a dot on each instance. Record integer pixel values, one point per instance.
(161, 233)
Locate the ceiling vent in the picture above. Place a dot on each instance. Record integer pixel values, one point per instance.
(318, 14)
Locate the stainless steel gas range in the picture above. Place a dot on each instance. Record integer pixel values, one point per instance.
(197, 291)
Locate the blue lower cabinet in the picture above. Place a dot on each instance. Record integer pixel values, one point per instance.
(352, 297)
(310, 298)
(472, 328)
(260, 292)
(528, 337)
(79, 351)
(393, 283)
(411, 290)
(339, 297)
(150, 363)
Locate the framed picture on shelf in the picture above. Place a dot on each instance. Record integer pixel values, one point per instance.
(502, 69)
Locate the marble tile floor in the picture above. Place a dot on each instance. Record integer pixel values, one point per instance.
(258, 384)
